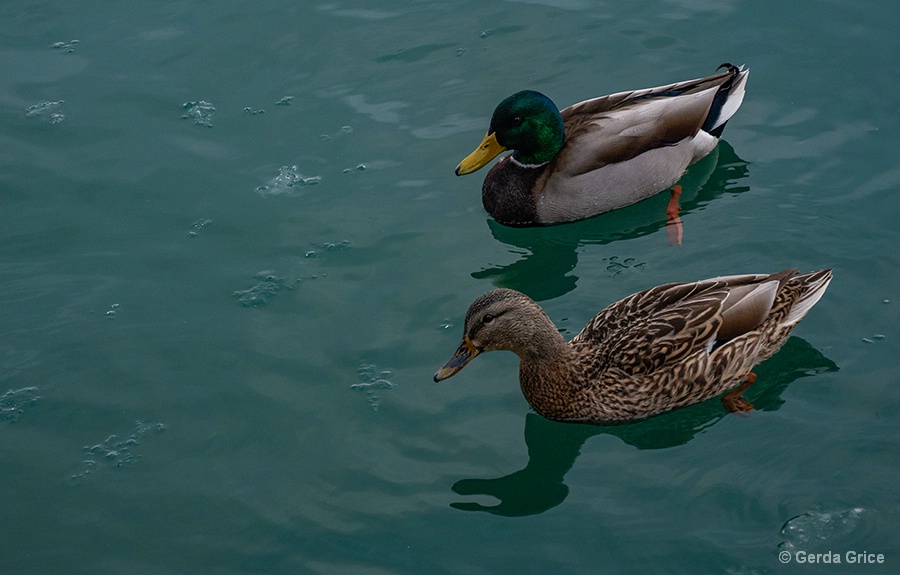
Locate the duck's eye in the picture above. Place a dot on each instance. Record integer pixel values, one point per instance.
(516, 121)
(488, 318)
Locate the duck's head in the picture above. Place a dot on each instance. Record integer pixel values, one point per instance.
(500, 319)
(528, 123)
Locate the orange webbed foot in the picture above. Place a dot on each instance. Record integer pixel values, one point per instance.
(733, 401)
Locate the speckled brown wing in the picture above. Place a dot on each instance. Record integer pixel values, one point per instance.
(659, 326)
(618, 127)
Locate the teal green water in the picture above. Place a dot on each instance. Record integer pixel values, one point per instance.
(234, 252)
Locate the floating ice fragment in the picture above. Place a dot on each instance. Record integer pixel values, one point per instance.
(116, 453)
(13, 403)
(47, 109)
(373, 379)
(197, 226)
(615, 267)
(377, 384)
(67, 47)
(286, 181)
(816, 530)
(200, 112)
(344, 130)
(260, 294)
(336, 246)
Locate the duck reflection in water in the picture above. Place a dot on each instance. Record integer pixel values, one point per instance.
(553, 447)
(551, 252)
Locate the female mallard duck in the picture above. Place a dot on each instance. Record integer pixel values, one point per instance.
(654, 351)
(601, 154)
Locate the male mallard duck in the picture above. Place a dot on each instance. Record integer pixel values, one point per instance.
(601, 154)
(651, 352)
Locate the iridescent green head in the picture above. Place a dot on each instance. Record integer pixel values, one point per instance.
(528, 123)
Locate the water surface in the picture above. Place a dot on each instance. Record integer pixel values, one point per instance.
(234, 252)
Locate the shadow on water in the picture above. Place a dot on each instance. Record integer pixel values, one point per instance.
(553, 446)
(552, 251)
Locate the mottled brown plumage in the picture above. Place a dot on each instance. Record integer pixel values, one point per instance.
(651, 352)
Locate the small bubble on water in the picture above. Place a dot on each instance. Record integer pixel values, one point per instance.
(252, 112)
(285, 101)
(66, 47)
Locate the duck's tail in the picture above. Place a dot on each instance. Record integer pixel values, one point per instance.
(812, 286)
(727, 101)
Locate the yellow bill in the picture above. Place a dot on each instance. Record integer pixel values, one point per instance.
(489, 149)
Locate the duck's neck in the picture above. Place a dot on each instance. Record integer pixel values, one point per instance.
(545, 374)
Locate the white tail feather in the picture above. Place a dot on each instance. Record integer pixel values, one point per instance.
(802, 307)
(734, 100)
